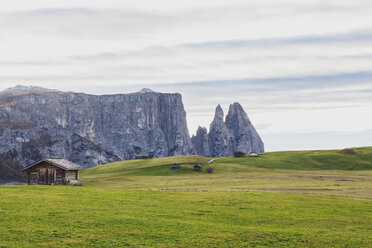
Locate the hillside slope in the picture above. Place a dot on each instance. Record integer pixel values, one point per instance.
(120, 171)
(294, 160)
(306, 160)
(144, 203)
(305, 172)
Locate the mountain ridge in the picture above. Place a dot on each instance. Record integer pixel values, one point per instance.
(92, 129)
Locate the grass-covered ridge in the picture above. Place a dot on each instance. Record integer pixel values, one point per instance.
(149, 167)
(126, 171)
(294, 160)
(304, 172)
(308, 160)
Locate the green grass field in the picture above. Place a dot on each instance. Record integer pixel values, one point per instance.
(280, 199)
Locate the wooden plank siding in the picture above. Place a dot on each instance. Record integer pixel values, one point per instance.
(47, 174)
(71, 175)
(60, 175)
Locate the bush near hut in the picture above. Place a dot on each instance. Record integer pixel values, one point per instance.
(348, 151)
(74, 183)
(10, 170)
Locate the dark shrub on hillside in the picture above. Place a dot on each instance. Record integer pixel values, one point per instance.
(347, 151)
(175, 166)
(10, 170)
(209, 170)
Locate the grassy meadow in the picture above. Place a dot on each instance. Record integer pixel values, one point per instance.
(279, 199)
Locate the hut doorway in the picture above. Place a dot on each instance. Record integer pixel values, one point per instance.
(47, 176)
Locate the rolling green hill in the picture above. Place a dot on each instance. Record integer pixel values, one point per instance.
(279, 199)
(294, 160)
(124, 171)
(308, 160)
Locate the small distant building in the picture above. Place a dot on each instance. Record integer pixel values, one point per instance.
(175, 166)
(253, 154)
(52, 171)
(239, 154)
(142, 156)
(197, 167)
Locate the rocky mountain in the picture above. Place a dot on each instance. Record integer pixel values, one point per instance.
(234, 134)
(94, 129)
(91, 129)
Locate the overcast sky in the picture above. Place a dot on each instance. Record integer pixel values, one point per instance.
(301, 69)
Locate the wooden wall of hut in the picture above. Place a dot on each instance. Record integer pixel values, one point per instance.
(48, 174)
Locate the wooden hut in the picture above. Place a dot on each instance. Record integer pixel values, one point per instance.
(254, 154)
(142, 156)
(52, 171)
(175, 166)
(239, 154)
(197, 167)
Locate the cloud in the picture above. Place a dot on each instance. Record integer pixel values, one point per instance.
(355, 36)
(83, 23)
(316, 140)
(188, 22)
(307, 60)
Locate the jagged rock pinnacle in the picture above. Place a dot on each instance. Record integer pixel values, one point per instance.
(226, 137)
(218, 116)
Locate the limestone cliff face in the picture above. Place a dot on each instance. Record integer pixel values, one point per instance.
(201, 142)
(91, 129)
(234, 134)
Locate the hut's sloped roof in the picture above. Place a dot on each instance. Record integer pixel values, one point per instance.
(59, 162)
(68, 165)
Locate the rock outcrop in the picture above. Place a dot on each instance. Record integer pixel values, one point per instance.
(200, 142)
(90, 129)
(220, 139)
(234, 134)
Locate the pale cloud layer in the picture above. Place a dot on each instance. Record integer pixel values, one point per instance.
(298, 67)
